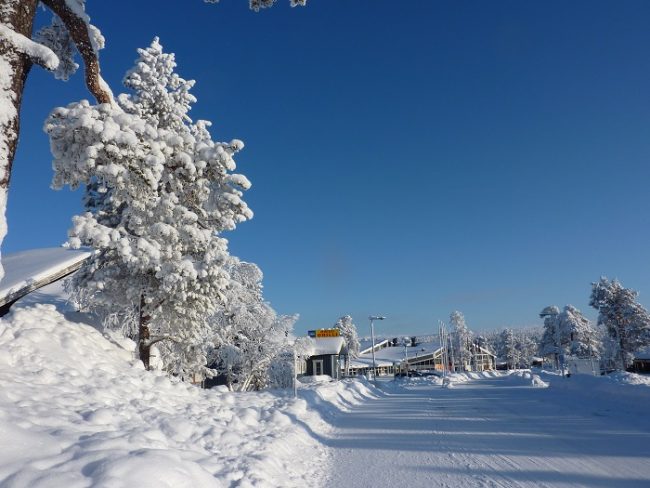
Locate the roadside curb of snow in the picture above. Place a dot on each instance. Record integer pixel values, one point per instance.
(527, 377)
(331, 397)
(614, 386)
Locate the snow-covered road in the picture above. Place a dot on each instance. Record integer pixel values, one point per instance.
(495, 432)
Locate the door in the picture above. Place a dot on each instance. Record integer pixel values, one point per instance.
(318, 367)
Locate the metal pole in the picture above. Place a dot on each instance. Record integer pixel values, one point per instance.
(372, 318)
(295, 373)
(374, 364)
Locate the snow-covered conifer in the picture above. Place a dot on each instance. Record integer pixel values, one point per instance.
(527, 347)
(349, 332)
(510, 350)
(152, 213)
(579, 338)
(626, 321)
(460, 340)
(550, 341)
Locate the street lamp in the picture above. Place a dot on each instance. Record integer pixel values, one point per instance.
(372, 318)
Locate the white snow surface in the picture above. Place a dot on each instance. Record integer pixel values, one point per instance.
(496, 430)
(77, 410)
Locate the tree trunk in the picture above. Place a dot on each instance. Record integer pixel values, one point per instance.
(144, 336)
(19, 16)
(622, 347)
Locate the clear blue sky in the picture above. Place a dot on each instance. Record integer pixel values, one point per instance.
(407, 158)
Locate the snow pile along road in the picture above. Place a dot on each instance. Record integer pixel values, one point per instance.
(76, 410)
(331, 397)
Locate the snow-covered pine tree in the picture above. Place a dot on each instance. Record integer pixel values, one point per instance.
(550, 342)
(626, 321)
(52, 48)
(161, 192)
(460, 339)
(579, 338)
(511, 352)
(349, 332)
(527, 347)
(248, 336)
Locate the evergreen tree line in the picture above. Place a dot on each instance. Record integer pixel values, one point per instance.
(622, 329)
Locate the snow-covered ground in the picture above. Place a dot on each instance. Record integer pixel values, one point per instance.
(493, 430)
(77, 410)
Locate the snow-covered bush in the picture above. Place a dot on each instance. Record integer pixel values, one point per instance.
(248, 336)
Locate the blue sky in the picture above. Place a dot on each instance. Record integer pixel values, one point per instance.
(407, 158)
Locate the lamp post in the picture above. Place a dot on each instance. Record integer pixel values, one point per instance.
(372, 318)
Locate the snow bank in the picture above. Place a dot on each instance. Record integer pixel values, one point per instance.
(525, 377)
(617, 384)
(331, 397)
(625, 378)
(76, 410)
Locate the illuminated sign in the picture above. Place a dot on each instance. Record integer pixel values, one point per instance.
(327, 333)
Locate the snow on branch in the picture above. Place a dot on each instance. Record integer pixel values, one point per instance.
(166, 337)
(256, 5)
(38, 53)
(57, 38)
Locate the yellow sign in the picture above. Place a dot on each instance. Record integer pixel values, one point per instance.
(327, 333)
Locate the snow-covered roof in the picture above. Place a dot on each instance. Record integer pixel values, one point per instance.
(366, 362)
(396, 354)
(485, 350)
(26, 271)
(643, 354)
(326, 345)
(365, 344)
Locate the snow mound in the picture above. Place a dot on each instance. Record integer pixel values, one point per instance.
(625, 378)
(538, 382)
(331, 397)
(523, 378)
(77, 410)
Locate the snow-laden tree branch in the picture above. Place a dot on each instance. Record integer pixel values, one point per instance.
(37, 53)
(256, 5)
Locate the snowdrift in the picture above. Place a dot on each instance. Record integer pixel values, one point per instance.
(76, 410)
